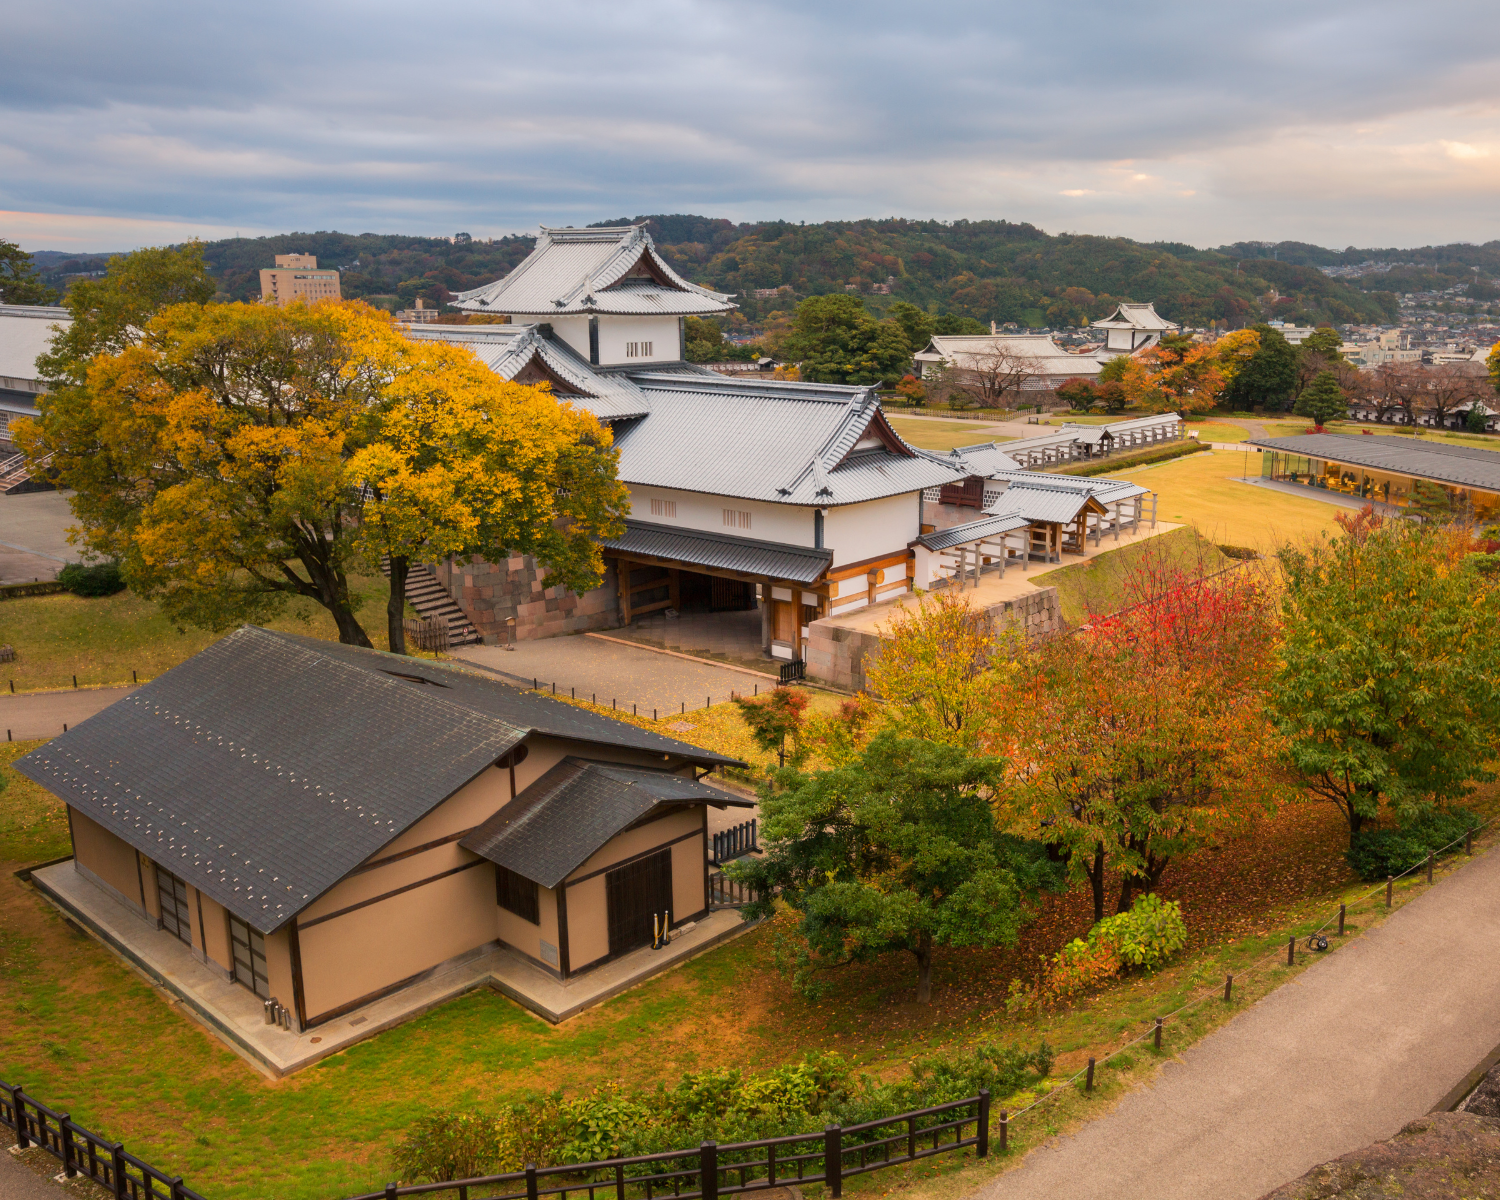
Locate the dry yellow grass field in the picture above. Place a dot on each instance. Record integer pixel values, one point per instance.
(1205, 490)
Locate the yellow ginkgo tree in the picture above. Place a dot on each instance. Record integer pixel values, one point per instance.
(236, 456)
(464, 462)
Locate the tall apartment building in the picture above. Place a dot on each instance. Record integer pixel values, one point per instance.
(296, 277)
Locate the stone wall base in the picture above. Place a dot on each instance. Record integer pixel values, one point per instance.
(840, 655)
(489, 593)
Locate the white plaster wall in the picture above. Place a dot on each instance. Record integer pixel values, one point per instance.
(856, 532)
(573, 330)
(614, 332)
(786, 523)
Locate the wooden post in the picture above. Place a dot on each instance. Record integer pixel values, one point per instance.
(1342, 911)
(18, 1107)
(983, 1132)
(1228, 987)
(833, 1160)
(1388, 882)
(1088, 1082)
(1429, 866)
(1158, 1033)
(708, 1170)
(117, 1170)
(531, 1181)
(1291, 951)
(1004, 1130)
(624, 570)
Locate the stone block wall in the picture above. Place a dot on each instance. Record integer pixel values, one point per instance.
(841, 655)
(489, 593)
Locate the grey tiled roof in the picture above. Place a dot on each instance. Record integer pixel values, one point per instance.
(960, 535)
(775, 560)
(268, 766)
(552, 827)
(777, 442)
(506, 349)
(1046, 505)
(1457, 466)
(583, 271)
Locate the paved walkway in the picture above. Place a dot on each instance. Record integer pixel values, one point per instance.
(615, 672)
(1344, 1055)
(33, 536)
(23, 1179)
(43, 714)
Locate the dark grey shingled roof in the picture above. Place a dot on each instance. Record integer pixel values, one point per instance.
(1457, 466)
(553, 826)
(964, 535)
(265, 768)
(775, 560)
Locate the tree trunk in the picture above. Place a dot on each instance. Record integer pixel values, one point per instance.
(395, 605)
(1096, 881)
(924, 968)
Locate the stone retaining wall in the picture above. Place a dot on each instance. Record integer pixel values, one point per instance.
(841, 655)
(491, 592)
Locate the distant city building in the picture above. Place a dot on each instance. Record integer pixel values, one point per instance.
(297, 277)
(1295, 334)
(421, 314)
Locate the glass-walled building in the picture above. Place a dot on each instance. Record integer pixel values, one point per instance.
(1387, 470)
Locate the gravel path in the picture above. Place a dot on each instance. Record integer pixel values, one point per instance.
(1342, 1056)
(43, 714)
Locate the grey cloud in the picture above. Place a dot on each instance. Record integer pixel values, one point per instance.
(320, 114)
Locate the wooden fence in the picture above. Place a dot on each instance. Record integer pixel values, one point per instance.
(711, 1170)
(84, 1153)
(735, 842)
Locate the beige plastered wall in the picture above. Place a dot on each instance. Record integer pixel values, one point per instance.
(588, 908)
(109, 860)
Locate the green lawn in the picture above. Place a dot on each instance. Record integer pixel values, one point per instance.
(102, 640)
(1097, 586)
(943, 435)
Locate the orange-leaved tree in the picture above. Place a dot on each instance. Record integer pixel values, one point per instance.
(1145, 735)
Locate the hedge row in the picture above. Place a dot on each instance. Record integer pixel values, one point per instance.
(1180, 450)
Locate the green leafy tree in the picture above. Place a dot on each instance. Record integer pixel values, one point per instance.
(895, 851)
(1476, 421)
(1388, 688)
(918, 326)
(1323, 399)
(1325, 343)
(837, 341)
(111, 314)
(18, 278)
(1268, 375)
(703, 341)
(953, 325)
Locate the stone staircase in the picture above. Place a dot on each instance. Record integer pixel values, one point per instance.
(15, 475)
(430, 598)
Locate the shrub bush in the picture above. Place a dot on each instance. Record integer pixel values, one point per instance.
(1146, 936)
(448, 1145)
(1376, 853)
(1238, 551)
(98, 579)
(723, 1104)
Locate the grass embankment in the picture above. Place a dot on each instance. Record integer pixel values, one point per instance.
(90, 1037)
(1205, 490)
(103, 639)
(1097, 586)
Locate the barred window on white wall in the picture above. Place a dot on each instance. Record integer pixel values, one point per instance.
(735, 518)
(637, 349)
(663, 508)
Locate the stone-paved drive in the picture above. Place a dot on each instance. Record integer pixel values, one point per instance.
(1344, 1055)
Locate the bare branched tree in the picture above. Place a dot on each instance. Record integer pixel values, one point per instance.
(988, 378)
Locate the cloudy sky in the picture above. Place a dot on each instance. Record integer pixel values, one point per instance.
(1366, 123)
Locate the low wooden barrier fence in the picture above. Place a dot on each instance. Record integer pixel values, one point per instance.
(84, 1153)
(738, 1168)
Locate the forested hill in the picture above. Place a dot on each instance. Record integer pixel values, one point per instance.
(989, 270)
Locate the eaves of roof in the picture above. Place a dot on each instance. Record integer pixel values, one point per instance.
(963, 535)
(1456, 466)
(749, 556)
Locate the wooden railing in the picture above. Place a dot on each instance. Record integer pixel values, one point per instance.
(85, 1153)
(710, 1170)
